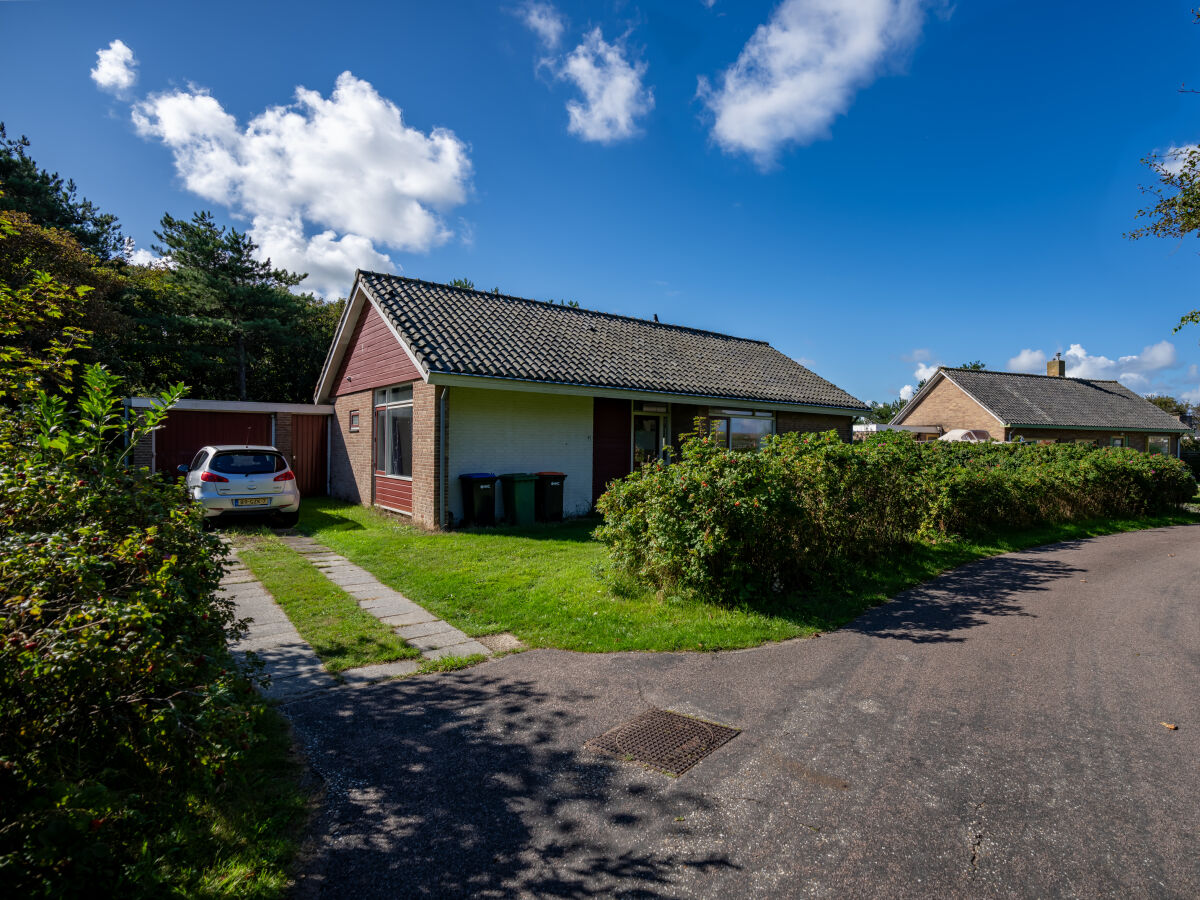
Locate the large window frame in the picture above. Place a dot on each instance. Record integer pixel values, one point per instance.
(741, 429)
(393, 435)
(1158, 443)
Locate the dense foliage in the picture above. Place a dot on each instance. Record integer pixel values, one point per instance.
(740, 524)
(212, 315)
(116, 687)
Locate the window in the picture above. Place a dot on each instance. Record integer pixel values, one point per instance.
(393, 431)
(198, 461)
(1117, 442)
(247, 462)
(740, 429)
(1158, 444)
(353, 420)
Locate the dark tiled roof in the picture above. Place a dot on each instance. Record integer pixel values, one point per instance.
(1050, 401)
(464, 332)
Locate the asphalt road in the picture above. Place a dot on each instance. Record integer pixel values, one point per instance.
(993, 733)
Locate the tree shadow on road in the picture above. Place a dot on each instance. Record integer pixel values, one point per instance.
(966, 597)
(461, 785)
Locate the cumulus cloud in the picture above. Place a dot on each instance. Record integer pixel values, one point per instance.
(924, 371)
(345, 166)
(801, 69)
(1032, 362)
(116, 69)
(1140, 371)
(613, 94)
(906, 392)
(545, 21)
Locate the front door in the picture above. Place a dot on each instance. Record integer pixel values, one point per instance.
(647, 438)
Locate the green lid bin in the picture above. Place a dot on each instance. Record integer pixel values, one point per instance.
(517, 488)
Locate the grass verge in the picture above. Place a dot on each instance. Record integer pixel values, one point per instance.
(235, 841)
(341, 633)
(550, 585)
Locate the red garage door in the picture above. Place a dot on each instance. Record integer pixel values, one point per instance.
(308, 454)
(186, 431)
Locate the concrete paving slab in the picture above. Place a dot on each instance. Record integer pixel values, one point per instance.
(381, 671)
(440, 639)
(470, 648)
(279, 641)
(264, 629)
(421, 629)
(411, 618)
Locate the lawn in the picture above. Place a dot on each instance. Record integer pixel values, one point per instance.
(550, 584)
(341, 633)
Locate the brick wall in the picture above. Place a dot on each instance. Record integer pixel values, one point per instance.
(283, 435)
(948, 406)
(426, 456)
(1133, 439)
(787, 422)
(350, 453)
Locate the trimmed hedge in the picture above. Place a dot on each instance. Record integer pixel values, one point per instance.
(736, 524)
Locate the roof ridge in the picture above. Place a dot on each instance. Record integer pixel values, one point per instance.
(574, 309)
(1032, 375)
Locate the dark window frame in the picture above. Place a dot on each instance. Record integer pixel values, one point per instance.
(391, 404)
(354, 421)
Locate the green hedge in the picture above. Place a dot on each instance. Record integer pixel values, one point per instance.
(736, 524)
(117, 693)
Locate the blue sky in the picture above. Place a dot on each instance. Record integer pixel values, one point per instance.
(874, 186)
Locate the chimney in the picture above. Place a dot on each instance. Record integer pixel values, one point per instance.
(1057, 367)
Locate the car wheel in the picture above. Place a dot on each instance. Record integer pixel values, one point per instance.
(286, 519)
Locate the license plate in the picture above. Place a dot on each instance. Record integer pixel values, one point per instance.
(253, 501)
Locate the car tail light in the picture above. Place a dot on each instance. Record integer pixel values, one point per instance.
(285, 476)
(212, 476)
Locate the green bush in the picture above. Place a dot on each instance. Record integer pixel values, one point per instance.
(117, 692)
(737, 525)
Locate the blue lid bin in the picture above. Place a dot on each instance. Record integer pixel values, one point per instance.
(479, 498)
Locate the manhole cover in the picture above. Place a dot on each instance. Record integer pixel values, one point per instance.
(664, 741)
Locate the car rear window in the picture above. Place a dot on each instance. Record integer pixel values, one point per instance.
(247, 463)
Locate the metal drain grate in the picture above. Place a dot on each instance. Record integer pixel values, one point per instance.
(664, 741)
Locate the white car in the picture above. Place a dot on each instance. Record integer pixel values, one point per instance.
(235, 480)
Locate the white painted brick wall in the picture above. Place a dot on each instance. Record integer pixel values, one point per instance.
(518, 431)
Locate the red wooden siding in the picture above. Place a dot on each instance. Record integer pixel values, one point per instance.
(374, 357)
(187, 430)
(308, 454)
(612, 437)
(394, 493)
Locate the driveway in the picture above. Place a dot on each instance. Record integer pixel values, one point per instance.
(993, 733)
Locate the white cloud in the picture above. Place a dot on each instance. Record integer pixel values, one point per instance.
(545, 21)
(347, 166)
(1152, 359)
(1192, 397)
(116, 69)
(906, 392)
(1032, 362)
(924, 371)
(613, 94)
(800, 70)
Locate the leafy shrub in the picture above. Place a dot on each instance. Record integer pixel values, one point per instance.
(117, 692)
(737, 524)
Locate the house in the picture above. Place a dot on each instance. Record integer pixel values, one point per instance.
(1009, 406)
(429, 382)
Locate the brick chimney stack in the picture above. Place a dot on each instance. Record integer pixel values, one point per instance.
(1057, 367)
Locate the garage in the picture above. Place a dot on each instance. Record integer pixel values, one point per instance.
(299, 430)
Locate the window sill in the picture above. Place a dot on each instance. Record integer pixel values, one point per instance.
(393, 477)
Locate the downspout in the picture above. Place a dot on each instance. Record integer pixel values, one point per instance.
(329, 455)
(445, 479)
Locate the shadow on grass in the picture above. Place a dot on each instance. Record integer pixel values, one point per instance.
(465, 786)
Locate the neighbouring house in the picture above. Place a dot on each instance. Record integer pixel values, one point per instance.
(429, 382)
(1009, 406)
